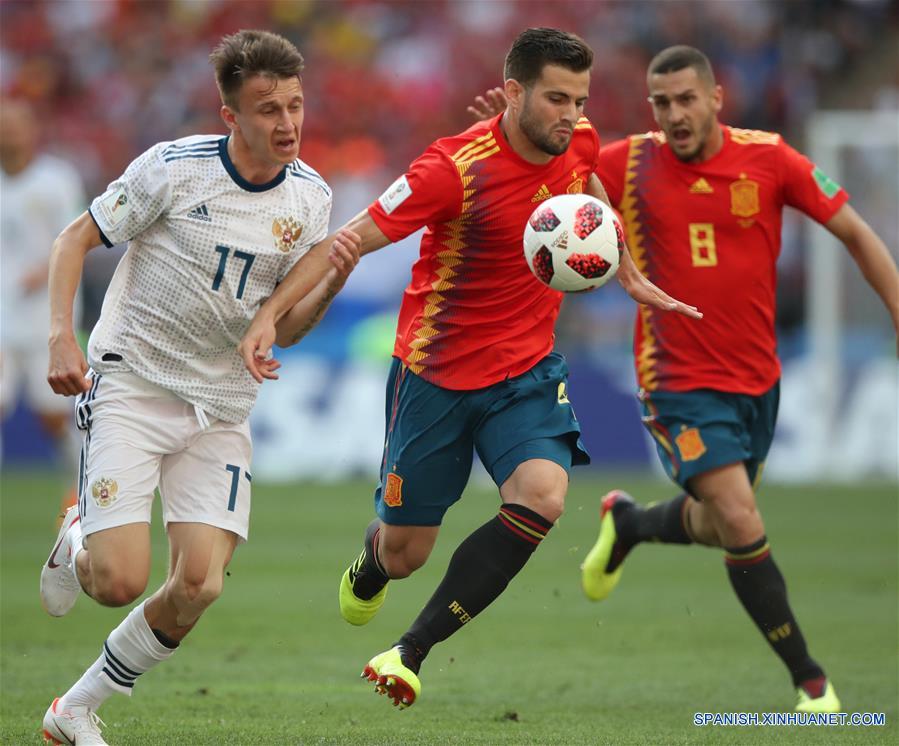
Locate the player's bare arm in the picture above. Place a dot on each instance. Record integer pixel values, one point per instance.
(303, 278)
(67, 370)
(871, 255)
(634, 283)
(300, 319)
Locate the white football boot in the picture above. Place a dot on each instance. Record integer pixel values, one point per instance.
(74, 726)
(59, 585)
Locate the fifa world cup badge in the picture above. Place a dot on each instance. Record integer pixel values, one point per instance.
(104, 492)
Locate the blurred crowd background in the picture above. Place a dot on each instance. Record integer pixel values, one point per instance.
(383, 79)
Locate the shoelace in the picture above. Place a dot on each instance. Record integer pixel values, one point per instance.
(88, 725)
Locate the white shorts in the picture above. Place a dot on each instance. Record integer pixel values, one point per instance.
(138, 437)
(23, 369)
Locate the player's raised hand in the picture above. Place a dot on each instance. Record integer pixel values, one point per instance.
(68, 369)
(344, 256)
(489, 105)
(256, 346)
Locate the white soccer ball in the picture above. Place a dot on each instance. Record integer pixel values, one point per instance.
(573, 242)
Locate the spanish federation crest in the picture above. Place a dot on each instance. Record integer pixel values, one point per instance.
(689, 443)
(105, 491)
(577, 184)
(287, 232)
(744, 197)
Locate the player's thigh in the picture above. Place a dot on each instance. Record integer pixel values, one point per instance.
(209, 480)
(120, 558)
(696, 431)
(529, 417)
(428, 450)
(121, 459)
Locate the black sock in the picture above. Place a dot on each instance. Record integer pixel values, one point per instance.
(763, 592)
(366, 574)
(662, 522)
(164, 639)
(480, 569)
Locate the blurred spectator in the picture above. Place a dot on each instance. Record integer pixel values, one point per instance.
(383, 78)
(41, 194)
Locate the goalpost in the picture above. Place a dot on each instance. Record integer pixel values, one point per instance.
(832, 138)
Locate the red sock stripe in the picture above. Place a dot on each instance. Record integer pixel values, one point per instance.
(515, 530)
(750, 560)
(532, 523)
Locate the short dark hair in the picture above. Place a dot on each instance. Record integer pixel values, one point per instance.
(248, 53)
(537, 47)
(680, 57)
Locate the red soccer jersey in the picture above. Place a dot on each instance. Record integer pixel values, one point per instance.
(473, 313)
(709, 234)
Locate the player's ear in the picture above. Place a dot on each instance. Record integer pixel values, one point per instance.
(717, 98)
(514, 93)
(228, 118)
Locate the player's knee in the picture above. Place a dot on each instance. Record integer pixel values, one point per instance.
(192, 595)
(544, 498)
(738, 522)
(112, 587)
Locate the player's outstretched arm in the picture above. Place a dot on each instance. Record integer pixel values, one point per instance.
(871, 255)
(256, 346)
(67, 370)
(631, 279)
(489, 105)
(300, 319)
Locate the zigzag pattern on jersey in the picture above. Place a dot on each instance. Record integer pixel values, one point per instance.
(302, 171)
(753, 137)
(199, 149)
(630, 210)
(449, 258)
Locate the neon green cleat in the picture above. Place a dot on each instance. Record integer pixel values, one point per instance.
(827, 702)
(357, 610)
(393, 678)
(596, 578)
(354, 609)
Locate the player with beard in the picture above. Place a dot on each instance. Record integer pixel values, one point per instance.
(702, 205)
(474, 367)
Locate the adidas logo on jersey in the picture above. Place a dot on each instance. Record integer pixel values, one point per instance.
(200, 213)
(701, 186)
(542, 194)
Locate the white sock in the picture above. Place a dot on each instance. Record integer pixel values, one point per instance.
(76, 540)
(130, 650)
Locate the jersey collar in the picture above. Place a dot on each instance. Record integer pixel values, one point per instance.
(240, 180)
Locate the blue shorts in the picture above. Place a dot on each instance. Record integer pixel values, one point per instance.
(432, 433)
(697, 431)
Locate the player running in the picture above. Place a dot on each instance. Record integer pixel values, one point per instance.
(474, 367)
(702, 204)
(213, 224)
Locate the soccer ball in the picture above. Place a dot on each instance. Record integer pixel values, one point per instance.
(573, 242)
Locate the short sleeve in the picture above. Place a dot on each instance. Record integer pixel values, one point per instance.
(611, 169)
(429, 192)
(807, 188)
(135, 200)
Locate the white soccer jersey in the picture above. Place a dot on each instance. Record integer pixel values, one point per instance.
(35, 205)
(206, 248)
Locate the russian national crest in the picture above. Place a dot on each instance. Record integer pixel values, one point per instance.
(104, 491)
(287, 232)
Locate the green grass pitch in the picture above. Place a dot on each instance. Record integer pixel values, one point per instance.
(273, 663)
